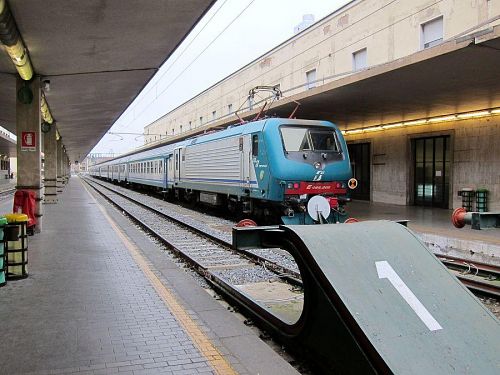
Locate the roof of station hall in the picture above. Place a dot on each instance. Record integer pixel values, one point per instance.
(98, 56)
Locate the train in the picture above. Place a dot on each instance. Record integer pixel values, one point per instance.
(293, 170)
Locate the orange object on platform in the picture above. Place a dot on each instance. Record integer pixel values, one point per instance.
(458, 217)
(25, 202)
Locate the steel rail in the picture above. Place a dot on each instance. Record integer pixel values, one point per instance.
(290, 275)
(474, 283)
(477, 276)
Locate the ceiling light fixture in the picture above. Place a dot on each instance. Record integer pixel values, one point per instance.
(430, 120)
(14, 46)
(44, 109)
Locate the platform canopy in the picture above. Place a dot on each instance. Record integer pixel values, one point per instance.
(460, 75)
(98, 56)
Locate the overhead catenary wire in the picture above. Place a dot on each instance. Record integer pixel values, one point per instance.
(155, 86)
(194, 60)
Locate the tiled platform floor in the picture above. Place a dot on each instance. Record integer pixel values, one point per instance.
(88, 308)
(422, 219)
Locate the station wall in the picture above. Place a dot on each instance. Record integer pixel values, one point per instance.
(474, 159)
(387, 29)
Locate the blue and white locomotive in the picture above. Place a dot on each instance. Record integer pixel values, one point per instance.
(264, 169)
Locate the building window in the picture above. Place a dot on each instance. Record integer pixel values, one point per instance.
(189, 125)
(359, 60)
(181, 129)
(229, 108)
(432, 33)
(311, 79)
(214, 115)
(201, 120)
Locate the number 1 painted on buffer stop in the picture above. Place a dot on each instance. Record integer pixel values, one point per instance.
(385, 271)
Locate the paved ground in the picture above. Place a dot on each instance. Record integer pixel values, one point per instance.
(434, 227)
(422, 219)
(102, 299)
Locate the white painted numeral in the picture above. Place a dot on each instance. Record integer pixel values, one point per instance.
(385, 271)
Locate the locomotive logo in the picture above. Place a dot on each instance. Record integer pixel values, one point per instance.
(318, 176)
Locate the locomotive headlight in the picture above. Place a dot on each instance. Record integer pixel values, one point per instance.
(290, 185)
(317, 165)
(296, 185)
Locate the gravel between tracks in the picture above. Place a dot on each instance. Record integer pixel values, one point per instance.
(205, 252)
(221, 228)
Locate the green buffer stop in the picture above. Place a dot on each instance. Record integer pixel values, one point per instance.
(377, 301)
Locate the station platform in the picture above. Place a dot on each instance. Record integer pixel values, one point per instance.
(434, 227)
(102, 298)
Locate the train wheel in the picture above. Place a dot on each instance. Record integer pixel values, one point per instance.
(246, 223)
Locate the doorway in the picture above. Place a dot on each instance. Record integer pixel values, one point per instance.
(360, 156)
(431, 157)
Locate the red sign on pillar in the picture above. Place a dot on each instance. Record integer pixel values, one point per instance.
(28, 141)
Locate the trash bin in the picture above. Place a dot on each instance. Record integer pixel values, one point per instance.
(3, 263)
(482, 200)
(25, 202)
(467, 198)
(16, 246)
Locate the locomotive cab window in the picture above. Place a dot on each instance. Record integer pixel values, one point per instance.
(308, 139)
(255, 145)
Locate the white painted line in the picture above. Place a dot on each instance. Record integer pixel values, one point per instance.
(385, 271)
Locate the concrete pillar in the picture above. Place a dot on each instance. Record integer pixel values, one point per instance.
(29, 143)
(59, 178)
(50, 170)
(65, 166)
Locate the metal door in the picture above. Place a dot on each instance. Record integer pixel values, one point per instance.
(360, 156)
(431, 157)
(165, 171)
(177, 165)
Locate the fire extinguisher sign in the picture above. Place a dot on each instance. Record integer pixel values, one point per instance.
(28, 141)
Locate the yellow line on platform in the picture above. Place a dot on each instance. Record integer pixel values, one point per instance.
(202, 342)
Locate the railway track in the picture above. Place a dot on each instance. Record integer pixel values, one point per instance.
(7, 193)
(480, 278)
(270, 284)
(303, 317)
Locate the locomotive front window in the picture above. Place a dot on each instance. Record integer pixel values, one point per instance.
(308, 139)
(295, 139)
(323, 140)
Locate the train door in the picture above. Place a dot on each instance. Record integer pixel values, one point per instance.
(245, 145)
(177, 165)
(165, 172)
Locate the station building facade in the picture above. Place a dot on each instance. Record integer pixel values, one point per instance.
(424, 149)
